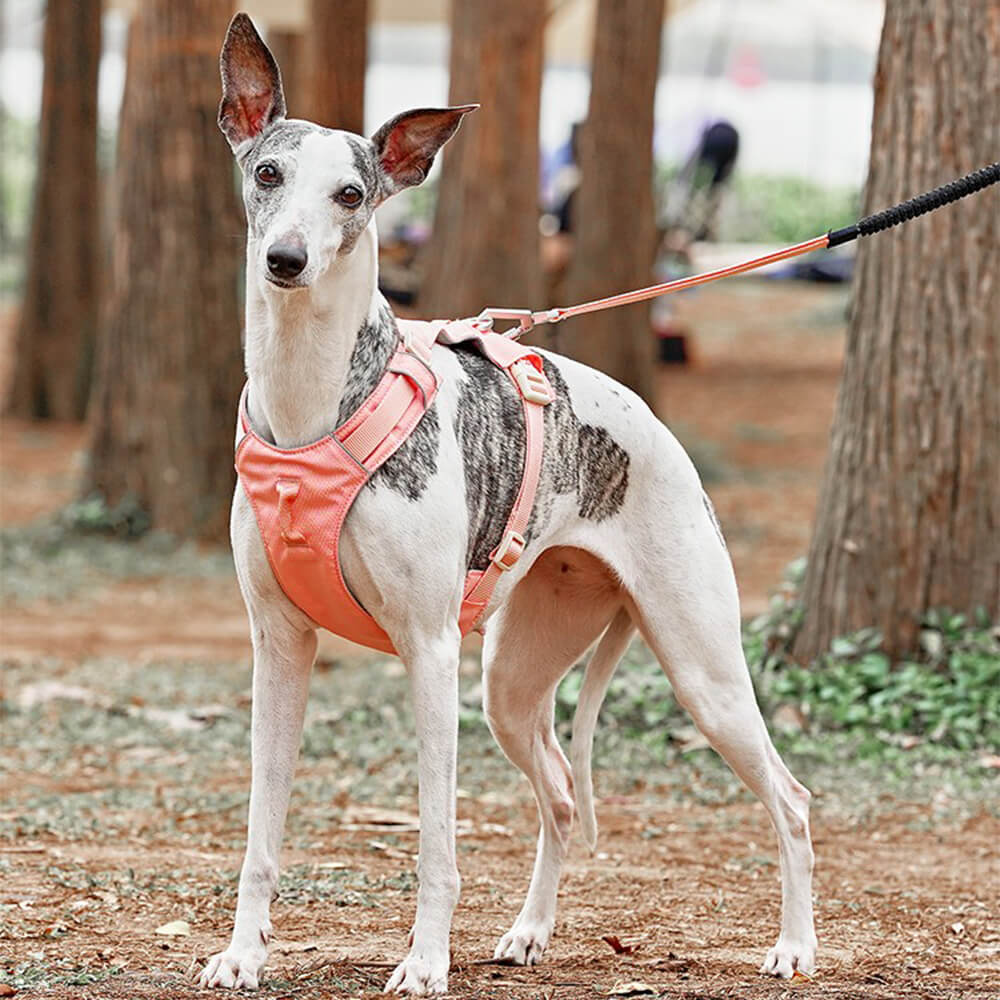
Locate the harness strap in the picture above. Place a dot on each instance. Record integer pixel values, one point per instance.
(524, 368)
(361, 439)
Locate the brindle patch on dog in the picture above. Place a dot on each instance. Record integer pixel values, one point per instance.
(409, 469)
(577, 457)
(490, 430)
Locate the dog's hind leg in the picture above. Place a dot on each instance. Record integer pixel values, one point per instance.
(688, 612)
(562, 605)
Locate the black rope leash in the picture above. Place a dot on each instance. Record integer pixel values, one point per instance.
(906, 210)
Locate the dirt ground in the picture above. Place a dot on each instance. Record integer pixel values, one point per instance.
(124, 769)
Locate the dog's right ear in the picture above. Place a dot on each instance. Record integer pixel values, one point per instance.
(252, 97)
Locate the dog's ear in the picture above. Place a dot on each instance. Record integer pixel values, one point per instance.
(406, 145)
(252, 97)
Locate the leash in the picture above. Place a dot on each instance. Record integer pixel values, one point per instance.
(903, 212)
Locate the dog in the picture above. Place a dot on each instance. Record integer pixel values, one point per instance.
(622, 538)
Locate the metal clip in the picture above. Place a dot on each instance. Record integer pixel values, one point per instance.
(525, 320)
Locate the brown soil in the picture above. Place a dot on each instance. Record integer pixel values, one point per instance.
(906, 903)
(901, 912)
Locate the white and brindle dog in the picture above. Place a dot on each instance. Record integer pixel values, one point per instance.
(622, 538)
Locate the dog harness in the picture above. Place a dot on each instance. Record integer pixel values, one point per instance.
(301, 496)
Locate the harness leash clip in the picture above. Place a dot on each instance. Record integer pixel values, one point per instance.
(525, 319)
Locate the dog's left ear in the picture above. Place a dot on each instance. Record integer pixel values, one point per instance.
(252, 96)
(406, 145)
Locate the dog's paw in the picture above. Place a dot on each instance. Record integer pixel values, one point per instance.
(418, 975)
(524, 943)
(232, 970)
(789, 956)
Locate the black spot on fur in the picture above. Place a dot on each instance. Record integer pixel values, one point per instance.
(577, 458)
(410, 467)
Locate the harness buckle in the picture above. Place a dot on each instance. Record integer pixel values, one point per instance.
(510, 549)
(531, 383)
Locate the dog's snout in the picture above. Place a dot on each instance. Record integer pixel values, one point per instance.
(286, 260)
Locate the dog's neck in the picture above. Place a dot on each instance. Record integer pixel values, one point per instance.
(313, 355)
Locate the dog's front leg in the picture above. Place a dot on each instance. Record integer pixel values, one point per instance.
(433, 670)
(283, 657)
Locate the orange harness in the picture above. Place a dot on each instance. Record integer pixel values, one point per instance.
(301, 496)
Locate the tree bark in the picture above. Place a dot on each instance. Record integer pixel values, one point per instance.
(336, 46)
(485, 246)
(909, 511)
(614, 219)
(58, 322)
(290, 53)
(169, 367)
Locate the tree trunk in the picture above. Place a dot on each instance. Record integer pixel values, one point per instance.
(289, 51)
(485, 247)
(613, 213)
(336, 46)
(909, 512)
(55, 338)
(169, 368)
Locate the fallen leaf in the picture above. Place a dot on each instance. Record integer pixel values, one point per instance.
(799, 977)
(297, 947)
(619, 947)
(373, 816)
(176, 928)
(6, 990)
(633, 989)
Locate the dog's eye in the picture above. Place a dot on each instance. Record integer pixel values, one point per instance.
(349, 196)
(267, 174)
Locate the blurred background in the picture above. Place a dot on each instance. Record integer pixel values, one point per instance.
(757, 113)
(841, 409)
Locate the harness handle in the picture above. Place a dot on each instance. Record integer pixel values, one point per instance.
(903, 212)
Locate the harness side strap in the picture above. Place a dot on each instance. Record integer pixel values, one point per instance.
(512, 543)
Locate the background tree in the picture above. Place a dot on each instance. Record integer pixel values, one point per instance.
(290, 53)
(58, 321)
(909, 511)
(613, 214)
(336, 57)
(169, 367)
(485, 246)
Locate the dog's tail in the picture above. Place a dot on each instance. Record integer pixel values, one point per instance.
(596, 679)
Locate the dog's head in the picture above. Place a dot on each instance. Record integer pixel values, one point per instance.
(310, 191)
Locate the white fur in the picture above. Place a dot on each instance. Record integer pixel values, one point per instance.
(657, 564)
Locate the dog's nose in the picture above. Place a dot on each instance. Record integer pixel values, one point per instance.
(286, 260)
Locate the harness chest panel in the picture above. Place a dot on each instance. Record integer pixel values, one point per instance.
(301, 496)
